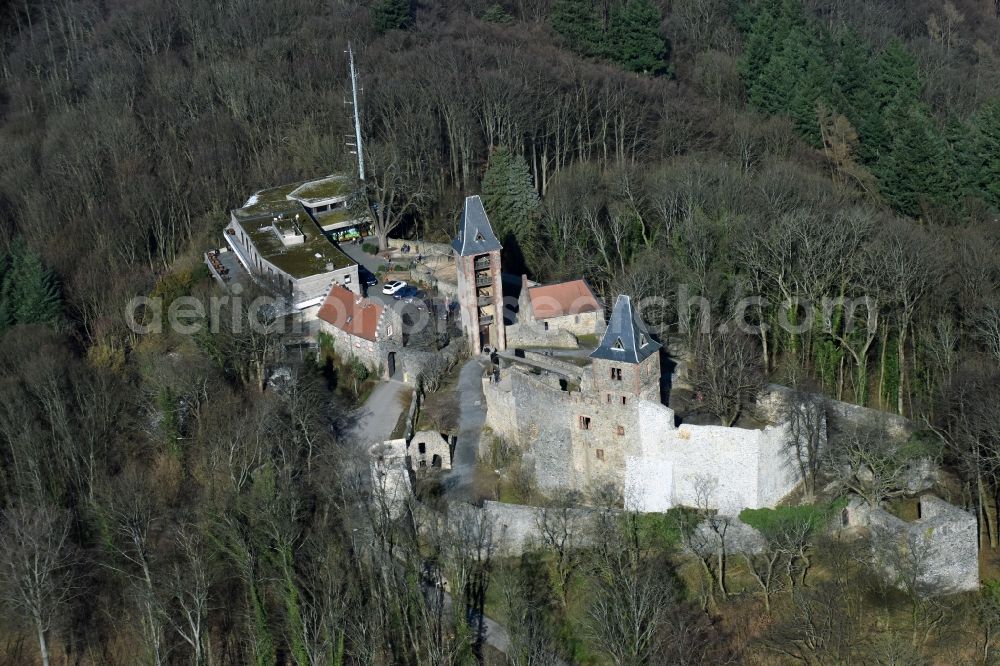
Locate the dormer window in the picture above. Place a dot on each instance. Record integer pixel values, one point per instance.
(642, 341)
(479, 237)
(618, 346)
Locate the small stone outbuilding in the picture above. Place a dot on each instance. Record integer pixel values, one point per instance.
(429, 450)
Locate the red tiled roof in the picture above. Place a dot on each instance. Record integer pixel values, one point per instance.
(350, 313)
(565, 298)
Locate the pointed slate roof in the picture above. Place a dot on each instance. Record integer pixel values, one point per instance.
(475, 235)
(626, 339)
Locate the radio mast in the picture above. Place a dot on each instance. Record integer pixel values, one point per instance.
(357, 115)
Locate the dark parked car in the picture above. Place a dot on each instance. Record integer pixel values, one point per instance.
(408, 293)
(367, 277)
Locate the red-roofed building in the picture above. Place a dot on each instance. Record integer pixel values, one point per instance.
(360, 327)
(555, 314)
(552, 301)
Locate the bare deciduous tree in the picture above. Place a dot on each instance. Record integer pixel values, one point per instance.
(805, 414)
(189, 588)
(630, 600)
(726, 372)
(393, 192)
(868, 462)
(561, 527)
(36, 567)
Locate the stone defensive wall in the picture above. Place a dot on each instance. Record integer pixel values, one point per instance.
(841, 414)
(654, 463)
(939, 549)
(518, 528)
(707, 466)
(534, 335)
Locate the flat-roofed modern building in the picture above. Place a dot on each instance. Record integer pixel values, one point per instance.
(328, 200)
(277, 239)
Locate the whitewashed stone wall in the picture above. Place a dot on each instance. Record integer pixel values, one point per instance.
(728, 469)
(778, 471)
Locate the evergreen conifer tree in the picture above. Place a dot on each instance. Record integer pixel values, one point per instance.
(893, 87)
(634, 40)
(497, 14)
(782, 61)
(811, 85)
(981, 167)
(29, 294)
(912, 169)
(759, 45)
(576, 22)
(391, 15)
(850, 77)
(511, 201)
(6, 315)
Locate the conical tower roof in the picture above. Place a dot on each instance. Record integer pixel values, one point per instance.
(475, 235)
(626, 339)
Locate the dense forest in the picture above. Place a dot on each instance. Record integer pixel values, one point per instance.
(159, 507)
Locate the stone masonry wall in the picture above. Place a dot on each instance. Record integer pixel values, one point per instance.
(940, 548)
(516, 528)
(778, 472)
(527, 334)
(584, 440)
(724, 468)
(346, 345)
(841, 414)
(554, 331)
(636, 380)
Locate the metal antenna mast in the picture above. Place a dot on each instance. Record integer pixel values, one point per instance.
(357, 114)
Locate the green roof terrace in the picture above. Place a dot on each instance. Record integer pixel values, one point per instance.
(270, 202)
(325, 189)
(311, 254)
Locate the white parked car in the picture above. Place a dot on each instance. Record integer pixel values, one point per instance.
(393, 286)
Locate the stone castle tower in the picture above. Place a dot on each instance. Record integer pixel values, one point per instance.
(627, 362)
(480, 290)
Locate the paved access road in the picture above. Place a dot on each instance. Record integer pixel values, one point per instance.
(373, 421)
(471, 418)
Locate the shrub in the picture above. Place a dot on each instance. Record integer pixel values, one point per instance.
(771, 521)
